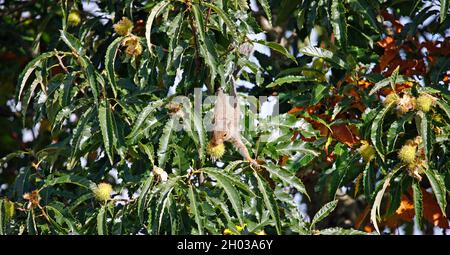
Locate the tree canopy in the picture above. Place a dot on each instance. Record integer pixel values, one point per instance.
(106, 109)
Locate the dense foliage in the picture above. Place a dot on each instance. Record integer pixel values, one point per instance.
(362, 134)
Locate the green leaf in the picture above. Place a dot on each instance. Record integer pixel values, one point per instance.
(323, 213)
(88, 68)
(341, 231)
(266, 7)
(2, 218)
(289, 79)
(73, 42)
(148, 27)
(397, 129)
(388, 81)
(163, 202)
(232, 194)
(426, 134)
(418, 203)
(148, 111)
(278, 48)
(200, 130)
(31, 223)
(367, 11)
(444, 10)
(164, 142)
(325, 54)
(28, 70)
(338, 22)
(376, 131)
(297, 147)
(269, 201)
(444, 106)
(107, 128)
(286, 177)
(243, 5)
(68, 178)
(369, 180)
(438, 186)
(102, 228)
(80, 135)
(225, 18)
(110, 59)
(225, 174)
(142, 199)
(195, 209)
(375, 211)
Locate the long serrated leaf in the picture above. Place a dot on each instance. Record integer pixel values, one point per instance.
(297, 147)
(80, 134)
(266, 7)
(163, 202)
(341, 231)
(339, 23)
(325, 54)
(148, 27)
(28, 70)
(69, 178)
(149, 110)
(106, 120)
(396, 129)
(73, 43)
(425, 133)
(375, 211)
(31, 223)
(323, 213)
(164, 142)
(438, 186)
(376, 130)
(110, 59)
(142, 199)
(88, 68)
(102, 228)
(217, 173)
(367, 11)
(269, 201)
(444, 106)
(387, 81)
(289, 79)
(444, 10)
(2, 218)
(232, 194)
(286, 177)
(278, 48)
(418, 203)
(225, 18)
(195, 210)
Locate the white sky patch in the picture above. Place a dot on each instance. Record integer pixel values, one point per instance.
(13, 106)
(114, 174)
(259, 47)
(92, 7)
(267, 107)
(27, 135)
(124, 195)
(73, 117)
(405, 20)
(178, 78)
(83, 162)
(314, 37)
(245, 84)
(254, 6)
